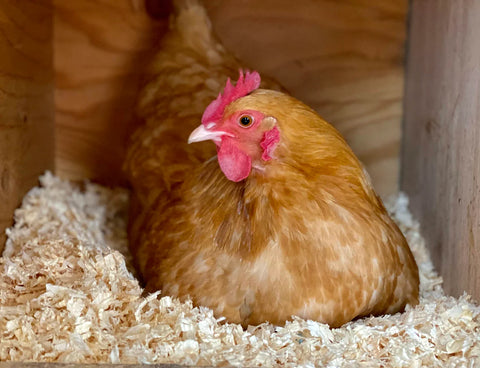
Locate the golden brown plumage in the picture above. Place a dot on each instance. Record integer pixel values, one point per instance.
(304, 234)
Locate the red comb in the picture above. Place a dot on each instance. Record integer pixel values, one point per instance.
(245, 85)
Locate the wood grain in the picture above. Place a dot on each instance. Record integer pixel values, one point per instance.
(441, 150)
(343, 58)
(100, 47)
(26, 100)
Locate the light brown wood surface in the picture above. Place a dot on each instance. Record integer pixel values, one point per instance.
(100, 48)
(26, 100)
(344, 58)
(441, 151)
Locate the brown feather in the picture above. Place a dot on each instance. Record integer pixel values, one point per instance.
(307, 237)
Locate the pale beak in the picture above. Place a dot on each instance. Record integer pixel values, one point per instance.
(202, 134)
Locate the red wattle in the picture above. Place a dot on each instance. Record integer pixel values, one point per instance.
(235, 164)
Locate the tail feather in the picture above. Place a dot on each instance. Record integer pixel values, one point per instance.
(184, 76)
(190, 57)
(192, 23)
(187, 72)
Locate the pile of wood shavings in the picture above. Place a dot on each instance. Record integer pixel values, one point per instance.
(67, 295)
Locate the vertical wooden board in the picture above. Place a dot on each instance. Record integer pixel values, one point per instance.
(26, 100)
(100, 48)
(344, 58)
(441, 149)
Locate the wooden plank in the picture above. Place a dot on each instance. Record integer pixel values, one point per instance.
(26, 100)
(441, 149)
(344, 58)
(100, 47)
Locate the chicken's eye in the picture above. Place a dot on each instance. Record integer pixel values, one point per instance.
(245, 121)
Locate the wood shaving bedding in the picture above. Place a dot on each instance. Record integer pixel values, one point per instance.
(68, 295)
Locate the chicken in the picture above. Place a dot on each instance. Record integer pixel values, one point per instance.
(275, 217)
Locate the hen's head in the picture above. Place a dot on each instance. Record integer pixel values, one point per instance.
(244, 135)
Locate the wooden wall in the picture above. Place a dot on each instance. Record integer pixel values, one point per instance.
(26, 100)
(100, 47)
(344, 58)
(441, 150)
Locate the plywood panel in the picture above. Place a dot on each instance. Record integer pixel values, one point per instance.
(344, 58)
(100, 47)
(441, 151)
(26, 100)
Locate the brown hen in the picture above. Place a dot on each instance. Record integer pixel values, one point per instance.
(277, 218)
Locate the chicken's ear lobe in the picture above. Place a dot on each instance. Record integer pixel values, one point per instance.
(270, 138)
(269, 122)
